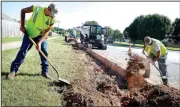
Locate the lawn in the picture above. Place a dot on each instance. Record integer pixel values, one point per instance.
(29, 88)
(125, 44)
(11, 39)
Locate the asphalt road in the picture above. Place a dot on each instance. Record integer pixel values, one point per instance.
(119, 56)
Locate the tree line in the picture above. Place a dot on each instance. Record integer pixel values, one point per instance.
(156, 26)
(153, 25)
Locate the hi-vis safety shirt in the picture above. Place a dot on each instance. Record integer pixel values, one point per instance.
(151, 48)
(38, 22)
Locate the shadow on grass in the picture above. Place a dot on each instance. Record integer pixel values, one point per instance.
(19, 74)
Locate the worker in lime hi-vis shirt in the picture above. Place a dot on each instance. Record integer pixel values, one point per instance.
(37, 28)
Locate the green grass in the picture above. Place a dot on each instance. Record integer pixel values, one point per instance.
(11, 39)
(125, 44)
(29, 88)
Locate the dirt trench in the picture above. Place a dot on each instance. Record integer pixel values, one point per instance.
(104, 87)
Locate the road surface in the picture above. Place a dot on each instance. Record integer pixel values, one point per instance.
(119, 56)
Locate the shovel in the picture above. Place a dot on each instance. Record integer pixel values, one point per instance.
(156, 67)
(60, 79)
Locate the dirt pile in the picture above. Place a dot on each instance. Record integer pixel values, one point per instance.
(101, 87)
(155, 96)
(134, 72)
(97, 89)
(77, 99)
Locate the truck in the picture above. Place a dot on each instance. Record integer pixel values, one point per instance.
(93, 36)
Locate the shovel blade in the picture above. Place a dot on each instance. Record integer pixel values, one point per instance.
(64, 81)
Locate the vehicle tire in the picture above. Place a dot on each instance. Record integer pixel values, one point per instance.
(90, 46)
(104, 47)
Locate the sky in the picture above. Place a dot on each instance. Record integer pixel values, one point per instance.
(117, 15)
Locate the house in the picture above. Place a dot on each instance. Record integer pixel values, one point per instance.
(10, 27)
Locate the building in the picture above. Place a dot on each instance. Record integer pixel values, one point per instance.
(10, 27)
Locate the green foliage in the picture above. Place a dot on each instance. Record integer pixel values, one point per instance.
(117, 35)
(110, 31)
(176, 31)
(58, 30)
(70, 31)
(156, 26)
(132, 29)
(126, 33)
(91, 23)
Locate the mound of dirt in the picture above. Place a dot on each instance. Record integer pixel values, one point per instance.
(160, 96)
(134, 71)
(99, 88)
(77, 99)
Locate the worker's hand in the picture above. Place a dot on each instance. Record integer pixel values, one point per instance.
(143, 52)
(153, 63)
(150, 60)
(38, 47)
(23, 29)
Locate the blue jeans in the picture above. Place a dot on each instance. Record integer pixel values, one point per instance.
(25, 47)
(162, 64)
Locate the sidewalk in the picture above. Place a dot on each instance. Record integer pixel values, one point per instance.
(17, 44)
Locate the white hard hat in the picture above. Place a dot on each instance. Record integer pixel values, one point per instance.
(147, 40)
(53, 8)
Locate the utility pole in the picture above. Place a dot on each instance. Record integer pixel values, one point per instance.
(58, 26)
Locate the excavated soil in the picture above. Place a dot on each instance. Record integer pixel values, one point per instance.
(104, 87)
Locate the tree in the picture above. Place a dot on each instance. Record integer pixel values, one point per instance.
(70, 31)
(110, 31)
(117, 35)
(156, 26)
(58, 30)
(132, 29)
(53, 30)
(91, 23)
(126, 33)
(176, 31)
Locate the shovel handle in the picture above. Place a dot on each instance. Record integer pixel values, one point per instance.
(155, 66)
(44, 56)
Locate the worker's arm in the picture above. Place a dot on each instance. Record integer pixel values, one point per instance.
(44, 36)
(158, 56)
(157, 49)
(144, 49)
(23, 12)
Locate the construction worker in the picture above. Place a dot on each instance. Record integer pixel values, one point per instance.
(157, 52)
(37, 27)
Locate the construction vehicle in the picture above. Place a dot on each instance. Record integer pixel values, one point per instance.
(93, 36)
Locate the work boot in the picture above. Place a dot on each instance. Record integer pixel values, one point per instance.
(11, 75)
(165, 81)
(46, 75)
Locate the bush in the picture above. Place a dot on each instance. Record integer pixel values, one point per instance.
(139, 42)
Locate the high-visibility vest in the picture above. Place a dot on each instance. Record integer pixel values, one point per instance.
(151, 48)
(38, 22)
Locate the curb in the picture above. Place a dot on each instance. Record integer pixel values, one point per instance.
(105, 61)
(112, 65)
